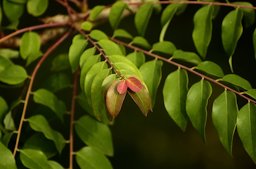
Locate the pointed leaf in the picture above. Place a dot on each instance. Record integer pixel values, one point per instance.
(138, 58)
(142, 99)
(165, 47)
(47, 98)
(196, 105)
(210, 68)
(7, 160)
(86, 55)
(97, 97)
(152, 74)
(189, 57)
(75, 51)
(121, 33)
(140, 42)
(37, 7)
(34, 159)
(237, 81)
(88, 157)
(98, 35)
(142, 18)
(116, 13)
(40, 124)
(202, 32)
(231, 30)
(95, 12)
(30, 46)
(246, 121)
(174, 93)
(109, 47)
(224, 114)
(115, 98)
(95, 134)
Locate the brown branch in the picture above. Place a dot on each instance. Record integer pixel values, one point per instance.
(40, 62)
(214, 81)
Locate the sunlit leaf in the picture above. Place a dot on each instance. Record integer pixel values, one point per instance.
(88, 157)
(140, 42)
(40, 124)
(55, 165)
(86, 55)
(121, 33)
(246, 121)
(202, 32)
(98, 35)
(189, 57)
(47, 98)
(210, 68)
(7, 160)
(30, 46)
(37, 7)
(224, 114)
(152, 74)
(237, 81)
(174, 93)
(95, 12)
(165, 47)
(142, 18)
(9, 53)
(138, 58)
(75, 51)
(196, 105)
(87, 25)
(34, 159)
(116, 12)
(95, 134)
(109, 47)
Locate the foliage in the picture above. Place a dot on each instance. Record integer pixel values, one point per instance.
(106, 67)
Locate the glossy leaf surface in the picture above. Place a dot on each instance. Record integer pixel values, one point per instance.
(237, 81)
(189, 57)
(110, 48)
(210, 68)
(165, 47)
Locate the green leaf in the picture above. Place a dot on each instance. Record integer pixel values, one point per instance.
(121, 33)
(196, 105)
(210, 68)
(95, 134)
(60, 62)
(189, 57)
(37, 7)
(3, 108)
(47, 98)
(9, 53)
(136, 57)
(249, 13)
(34, 159)
(231, 31)
(142, 17)
(13, 11)
(55, 165)
(58, 81)
(87, 26)
(7, 160)
(246, 121)
(39, 142)
(9, 122)
(251, 92)
(202, 32)
(97, 97)
(88, 157)
(98, 35)
(167, 16)
(95, 12)
(165, 47)
(237, 81)
(1, 15)
(224, 114)
(75, 51)
(92, 60)
(174, 93)
(40, 124)
(140, 42)
(116, 13)
(254, 42)
(86, 55)
(30, 46)
(109, 47)
(151, 72)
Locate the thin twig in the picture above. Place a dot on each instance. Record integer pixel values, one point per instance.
(40, 62)
(214, 81)
(72, 118)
